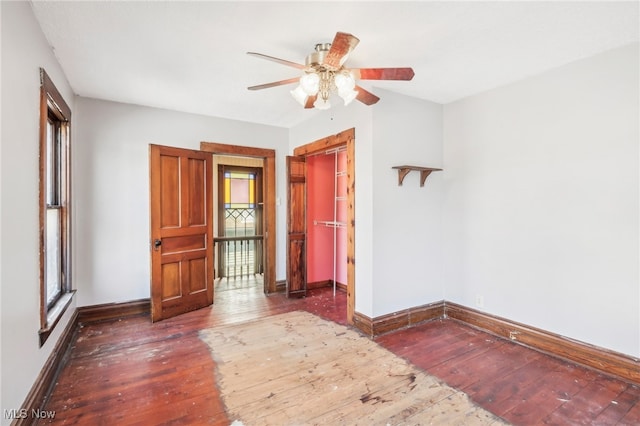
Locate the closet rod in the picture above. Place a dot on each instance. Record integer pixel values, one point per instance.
(329, 223)
(329, 151)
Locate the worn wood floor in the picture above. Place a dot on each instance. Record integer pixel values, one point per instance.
(132, 372)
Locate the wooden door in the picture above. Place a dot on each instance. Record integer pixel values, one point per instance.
(181, 231)
(296, 227)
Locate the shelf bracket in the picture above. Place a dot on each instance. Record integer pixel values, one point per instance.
(424, 173)
(401, 174)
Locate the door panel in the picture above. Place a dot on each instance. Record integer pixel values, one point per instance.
(181, 231)
(296, 227)
(170, 280)
(180, 244)
(198, 271)
(170, 191)
(197, 189)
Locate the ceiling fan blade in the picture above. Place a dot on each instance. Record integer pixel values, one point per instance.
(275, 83)
(278, 60)
(343, 44)
(310, 101)
(382, 73)
(366, 97)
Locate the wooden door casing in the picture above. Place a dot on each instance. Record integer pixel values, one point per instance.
(296, 227)
(181, 231)
(346, 138)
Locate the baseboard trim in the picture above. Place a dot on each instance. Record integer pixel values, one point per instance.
(326, 284)
(319, 284)
(281, 286)
(603, 360)
(363, 323)
(377, 326)
(41, 389)
(111, 311)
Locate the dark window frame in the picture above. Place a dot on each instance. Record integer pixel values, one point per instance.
(54, 193)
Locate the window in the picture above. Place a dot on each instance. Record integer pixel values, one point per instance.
(55, 283)
(239, 203)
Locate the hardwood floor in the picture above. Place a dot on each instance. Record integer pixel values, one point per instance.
(132, 372)
(523, 386)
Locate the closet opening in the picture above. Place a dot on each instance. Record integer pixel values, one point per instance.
(321, 217)
(327, 219)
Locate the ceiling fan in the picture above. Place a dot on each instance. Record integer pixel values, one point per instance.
(324, 73)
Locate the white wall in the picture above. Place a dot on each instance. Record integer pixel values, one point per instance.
(24, 51)
(541, 206)
(407, 219)
(112, 188)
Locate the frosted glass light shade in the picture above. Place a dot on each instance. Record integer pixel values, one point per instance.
(310, 83)
(321, 103)
(344, 81)
(299, 95)
(348, 95)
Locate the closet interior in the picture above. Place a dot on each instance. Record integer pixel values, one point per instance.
(326, 219)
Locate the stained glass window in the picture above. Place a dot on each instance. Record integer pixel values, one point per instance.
(239, 190)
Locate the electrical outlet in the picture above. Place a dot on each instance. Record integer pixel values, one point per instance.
(479, 301)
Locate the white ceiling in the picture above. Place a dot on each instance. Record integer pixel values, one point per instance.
(191, 56)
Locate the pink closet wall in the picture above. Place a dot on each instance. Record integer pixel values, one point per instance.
(321, 175)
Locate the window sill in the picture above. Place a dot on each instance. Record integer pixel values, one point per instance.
(54, 315)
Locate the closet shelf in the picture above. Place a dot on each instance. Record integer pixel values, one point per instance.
(330, 223)
(424, 172)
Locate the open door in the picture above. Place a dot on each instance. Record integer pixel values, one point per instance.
(181, 231)
(296, 227)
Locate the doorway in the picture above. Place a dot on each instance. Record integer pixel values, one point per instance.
(181, 225)
(238, 223)
(244, 254)
(343, 141)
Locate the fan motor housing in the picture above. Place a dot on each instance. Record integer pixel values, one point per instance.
(316, 58)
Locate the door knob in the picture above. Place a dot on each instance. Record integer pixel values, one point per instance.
(157, 244)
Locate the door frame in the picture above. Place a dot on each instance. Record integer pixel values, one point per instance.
(345, 138)
(269, 194)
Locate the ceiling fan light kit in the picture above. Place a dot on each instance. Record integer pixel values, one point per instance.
(324, 74)
(321, 83)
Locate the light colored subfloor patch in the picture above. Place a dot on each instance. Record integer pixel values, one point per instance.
(298, 369)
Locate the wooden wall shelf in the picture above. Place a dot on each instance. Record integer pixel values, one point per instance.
(424, 172)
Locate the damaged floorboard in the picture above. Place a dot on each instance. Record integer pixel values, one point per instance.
(131, 371)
